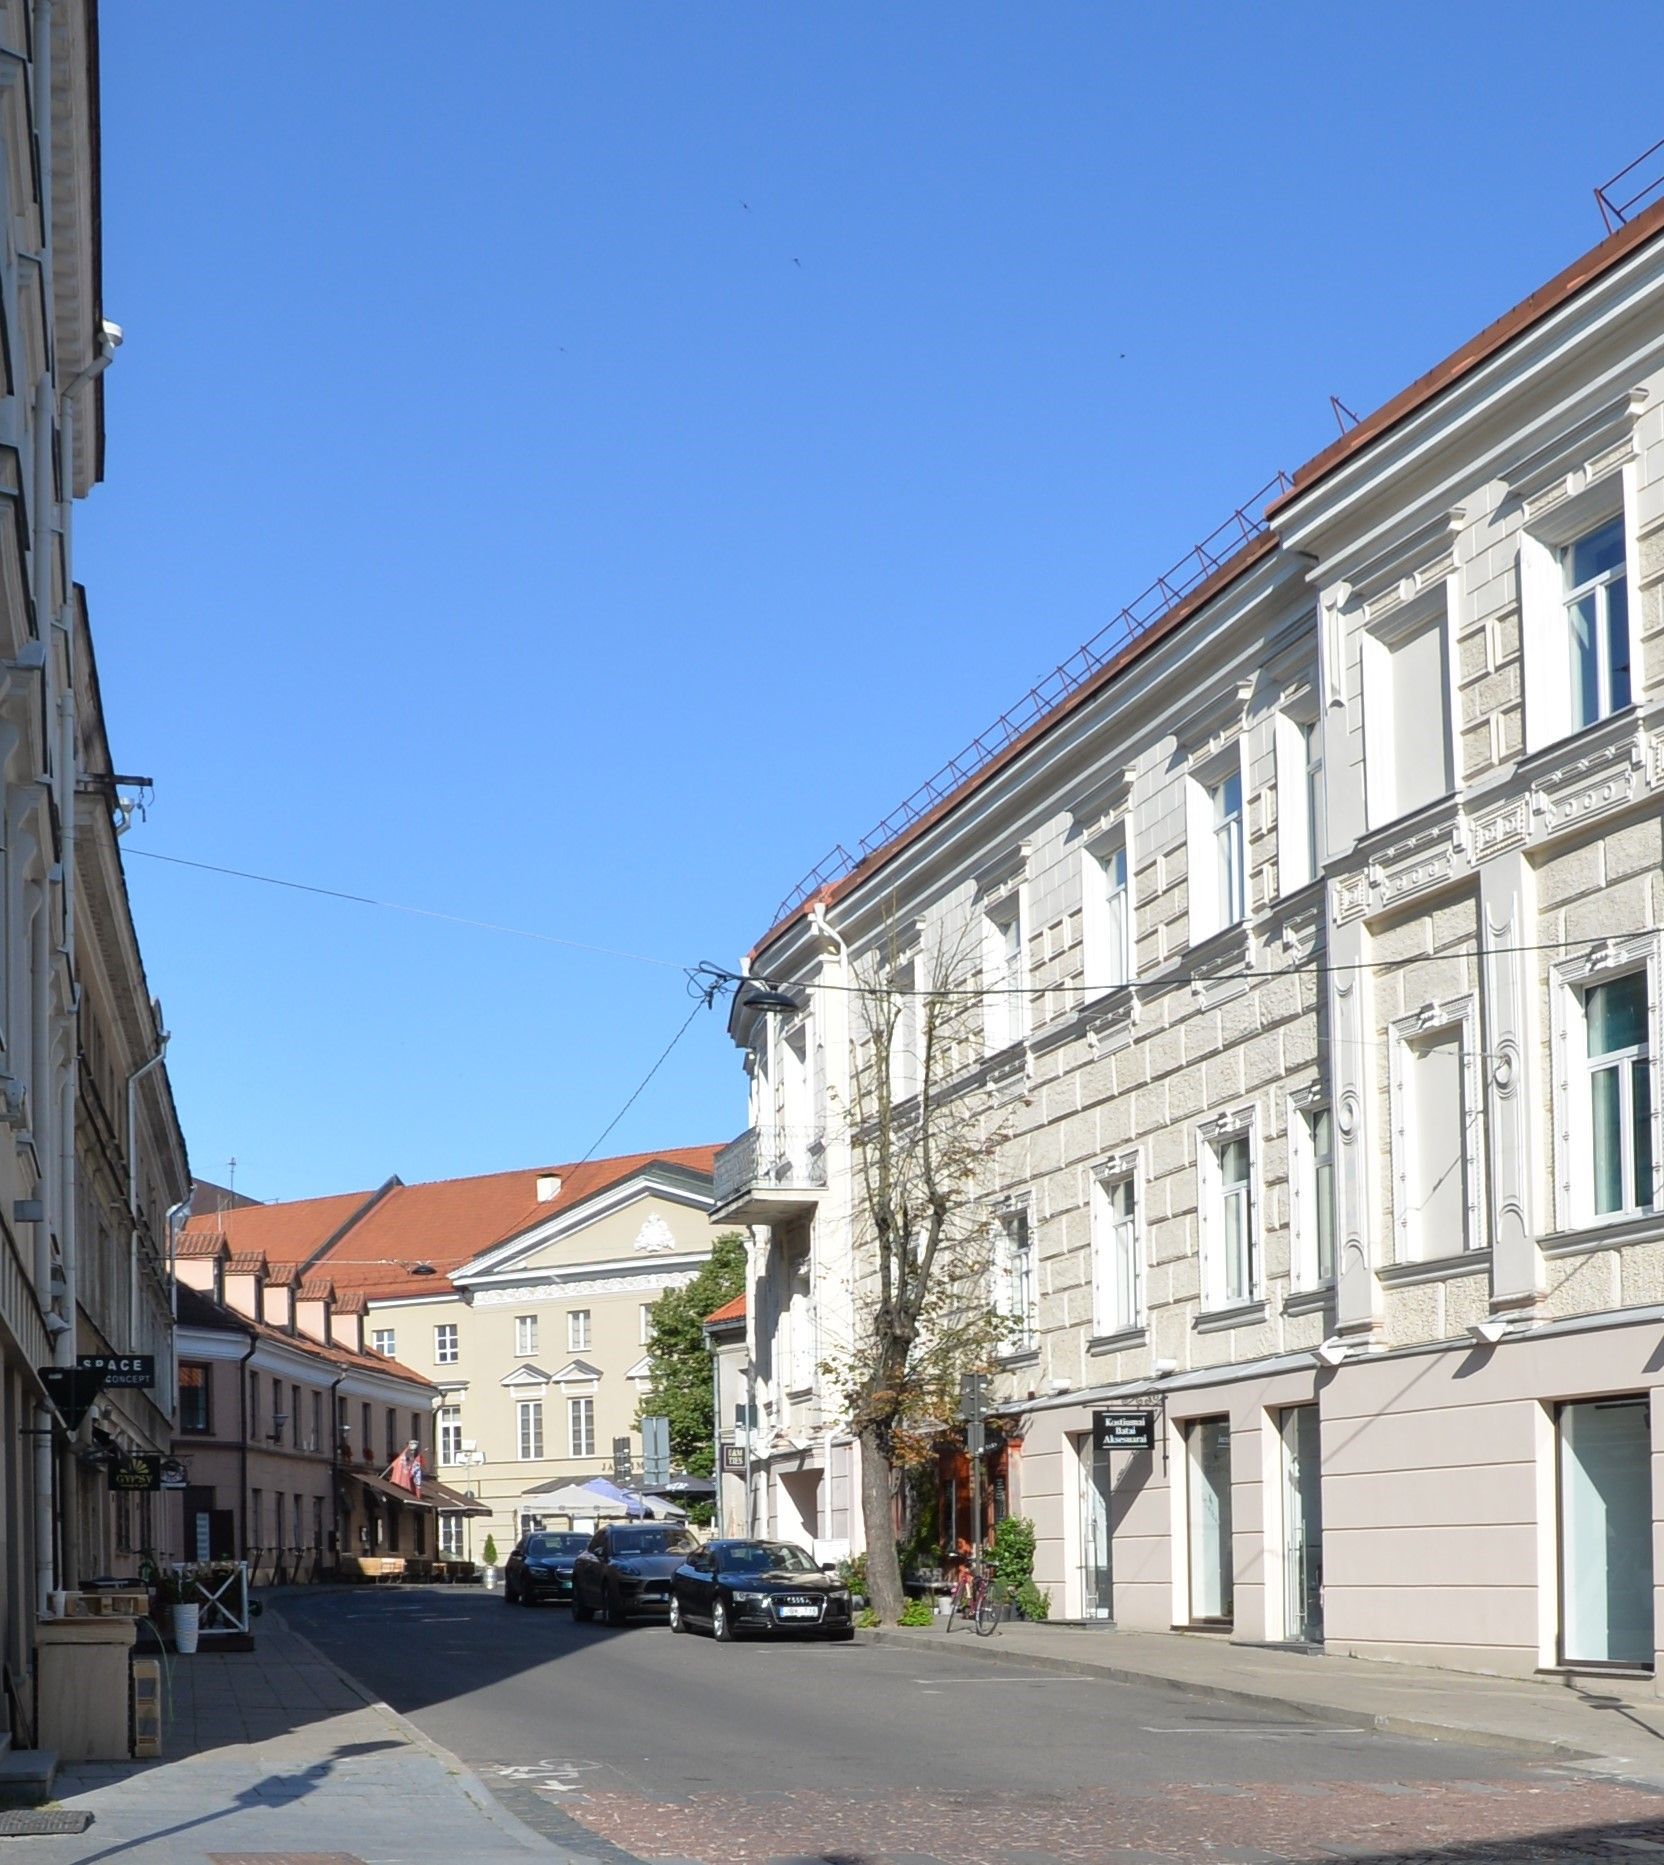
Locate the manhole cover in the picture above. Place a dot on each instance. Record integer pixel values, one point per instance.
(31, 1823)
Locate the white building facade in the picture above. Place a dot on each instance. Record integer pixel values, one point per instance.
(1317, 938)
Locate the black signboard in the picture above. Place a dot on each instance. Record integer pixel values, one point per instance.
(622, 1463)
(733, 1459)
(72, 1389)
(1124, 1431)
(137, 1370)
(135, 1470)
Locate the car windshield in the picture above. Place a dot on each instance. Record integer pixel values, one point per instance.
(653, 1541)
(551, 1547)
(764, 1557)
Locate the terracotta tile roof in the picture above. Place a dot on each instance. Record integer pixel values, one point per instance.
(202, 1246)
(729, 1311)
(316, 1289)
(351, 1303)
(286, 1233)
(281, 1275)
(246, 1263)
(1582, 272)
(448, 1222)
(197, 1310)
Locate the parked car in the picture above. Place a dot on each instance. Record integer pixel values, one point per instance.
(625, 1570)
(541, 1568)
(758, 1586)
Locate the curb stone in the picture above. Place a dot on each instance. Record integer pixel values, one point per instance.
(1423, 1728)
(472, 1788)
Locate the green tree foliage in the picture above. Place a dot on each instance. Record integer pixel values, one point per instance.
(679, 1361)
(1012, 1553)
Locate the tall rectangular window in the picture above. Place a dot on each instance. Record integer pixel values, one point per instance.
(392, 1434)
(450, 1534)
(1241, 1254)
(577, 1330)
(1317, 1130)
(646, 1323)
(1117, 1256)
(800, 1319)
(1106, 919)
(1595, 577)
(906, 1057)
(1619, 1068)
(1434, 1182)
(1229, 852)
(194, 1412)
(318, 1523)
(1004, 1003)
(450, 1434)
(1299, 801)
(1230, 1222)
(525, 1334)
(529, 1415)
(317, 1443)
(580, 1427)
(444, 1344)
(1407, 753)
(1015, 1291)
(383, 1339)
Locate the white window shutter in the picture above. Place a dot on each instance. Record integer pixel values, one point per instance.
(1543, 650)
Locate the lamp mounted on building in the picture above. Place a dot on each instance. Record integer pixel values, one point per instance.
(279, 1421)
(764, 998)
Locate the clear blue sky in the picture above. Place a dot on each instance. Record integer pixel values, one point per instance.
(503, 519)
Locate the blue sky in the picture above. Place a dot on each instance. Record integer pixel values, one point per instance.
(568, 467)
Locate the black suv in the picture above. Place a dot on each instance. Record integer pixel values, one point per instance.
(626, 1570)
(541, 1568)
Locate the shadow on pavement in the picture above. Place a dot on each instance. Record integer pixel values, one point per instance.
(1634, 1840)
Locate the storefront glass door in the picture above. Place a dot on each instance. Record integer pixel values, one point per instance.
(1097, 1594)
(1302, 1525)
(1211, 1585)
(1606, 1614)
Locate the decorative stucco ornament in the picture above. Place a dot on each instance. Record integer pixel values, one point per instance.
(655, 1235)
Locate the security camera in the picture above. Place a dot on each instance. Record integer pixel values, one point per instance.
(55, 1325)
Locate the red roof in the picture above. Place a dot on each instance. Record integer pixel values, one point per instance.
(371, 1244)
(729, 1311)
(197, 1309)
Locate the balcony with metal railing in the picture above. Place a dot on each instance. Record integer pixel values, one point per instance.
(770, 1174)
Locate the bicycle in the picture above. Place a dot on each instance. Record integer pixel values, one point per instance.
(973, 1595)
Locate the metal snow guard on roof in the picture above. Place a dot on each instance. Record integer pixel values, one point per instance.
(1245, 524)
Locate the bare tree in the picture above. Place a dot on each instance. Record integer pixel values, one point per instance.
(921, 1141)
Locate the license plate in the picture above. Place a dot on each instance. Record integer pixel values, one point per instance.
(799, 1612)
(655, 1593)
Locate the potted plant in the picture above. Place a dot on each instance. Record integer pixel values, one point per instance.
(172, 1594)
(488, 1556)
(1011, 1555)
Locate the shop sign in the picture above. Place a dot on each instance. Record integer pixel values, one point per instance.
(1124, 1431)
(134, 1471)
(135, 1370)
(733, 1459)
(72, 1389)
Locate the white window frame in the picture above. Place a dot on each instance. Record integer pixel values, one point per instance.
(525, 1336)
(1569, 979)
(1306, 1190)
(1545, 640)
(450, 1434)
(1385, 792)
(579, 1330)
(580, 1426)
(1004, 970)
(1209, 914)
(1406, 1035)
(528, 1430)
(1298, 742)
(906, 1046)
(646, 1324)
(799, 1318)
(450, 1532)
(447, 1345)
(1213, 1137)
(1016, 1290)
(1118, 1251)
(1107, 942)
(384, 1340)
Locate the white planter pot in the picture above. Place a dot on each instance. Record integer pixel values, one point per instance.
(185, 1622)
(488, 1576)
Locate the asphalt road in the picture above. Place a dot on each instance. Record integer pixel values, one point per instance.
(642, 1744)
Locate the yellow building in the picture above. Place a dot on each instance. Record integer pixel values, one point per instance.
(523, 1296)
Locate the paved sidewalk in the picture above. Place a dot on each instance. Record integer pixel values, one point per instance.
(278, 1751)
(1617, 1723)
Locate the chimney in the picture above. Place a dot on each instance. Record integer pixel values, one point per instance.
(244, 1278)
(548, 1187)
(313, 1303)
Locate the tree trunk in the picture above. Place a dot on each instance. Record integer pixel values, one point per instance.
(884, 1592)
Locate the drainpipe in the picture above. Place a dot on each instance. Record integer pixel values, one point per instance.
(133, 1081)
(335, 1489)
(242, 1436)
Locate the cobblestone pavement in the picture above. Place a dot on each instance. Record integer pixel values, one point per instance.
(1446, 1823)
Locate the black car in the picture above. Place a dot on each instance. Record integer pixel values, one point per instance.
(626, 1570)
(758, 1586)
(541, 1568)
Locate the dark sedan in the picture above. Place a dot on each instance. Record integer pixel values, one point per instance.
(758, 1586)
(541, 1568)
(625, 1570)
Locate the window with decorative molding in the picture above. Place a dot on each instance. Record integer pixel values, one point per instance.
(1216, 845)
(1015, 1286)
(1436, 1163)
(1299, 801)
(580, 1427)
(906, 1044)
(1406, 695)
(577, 1331)
(525, 1335)
(529, 1418)
(450, 1434)
(1117, 1251)
(1311, 1140)
(445, 1351)
(1606, 1040)
(1228, 1207)
(1106, 915)
(1574, 615)
(1004, 998)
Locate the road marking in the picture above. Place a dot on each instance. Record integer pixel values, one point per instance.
(1257, 1731)
(1043, 1677)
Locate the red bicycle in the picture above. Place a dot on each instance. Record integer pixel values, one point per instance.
(973, 1595)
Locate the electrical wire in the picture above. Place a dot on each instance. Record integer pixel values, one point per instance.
(703, 1004)
(398, 906)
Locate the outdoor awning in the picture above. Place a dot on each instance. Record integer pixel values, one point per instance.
(383, 1491)
(452, 1501)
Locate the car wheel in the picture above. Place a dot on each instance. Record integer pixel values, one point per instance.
(722, 1627)
(677, 1622)
(612, 1610)
(508, 1593)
